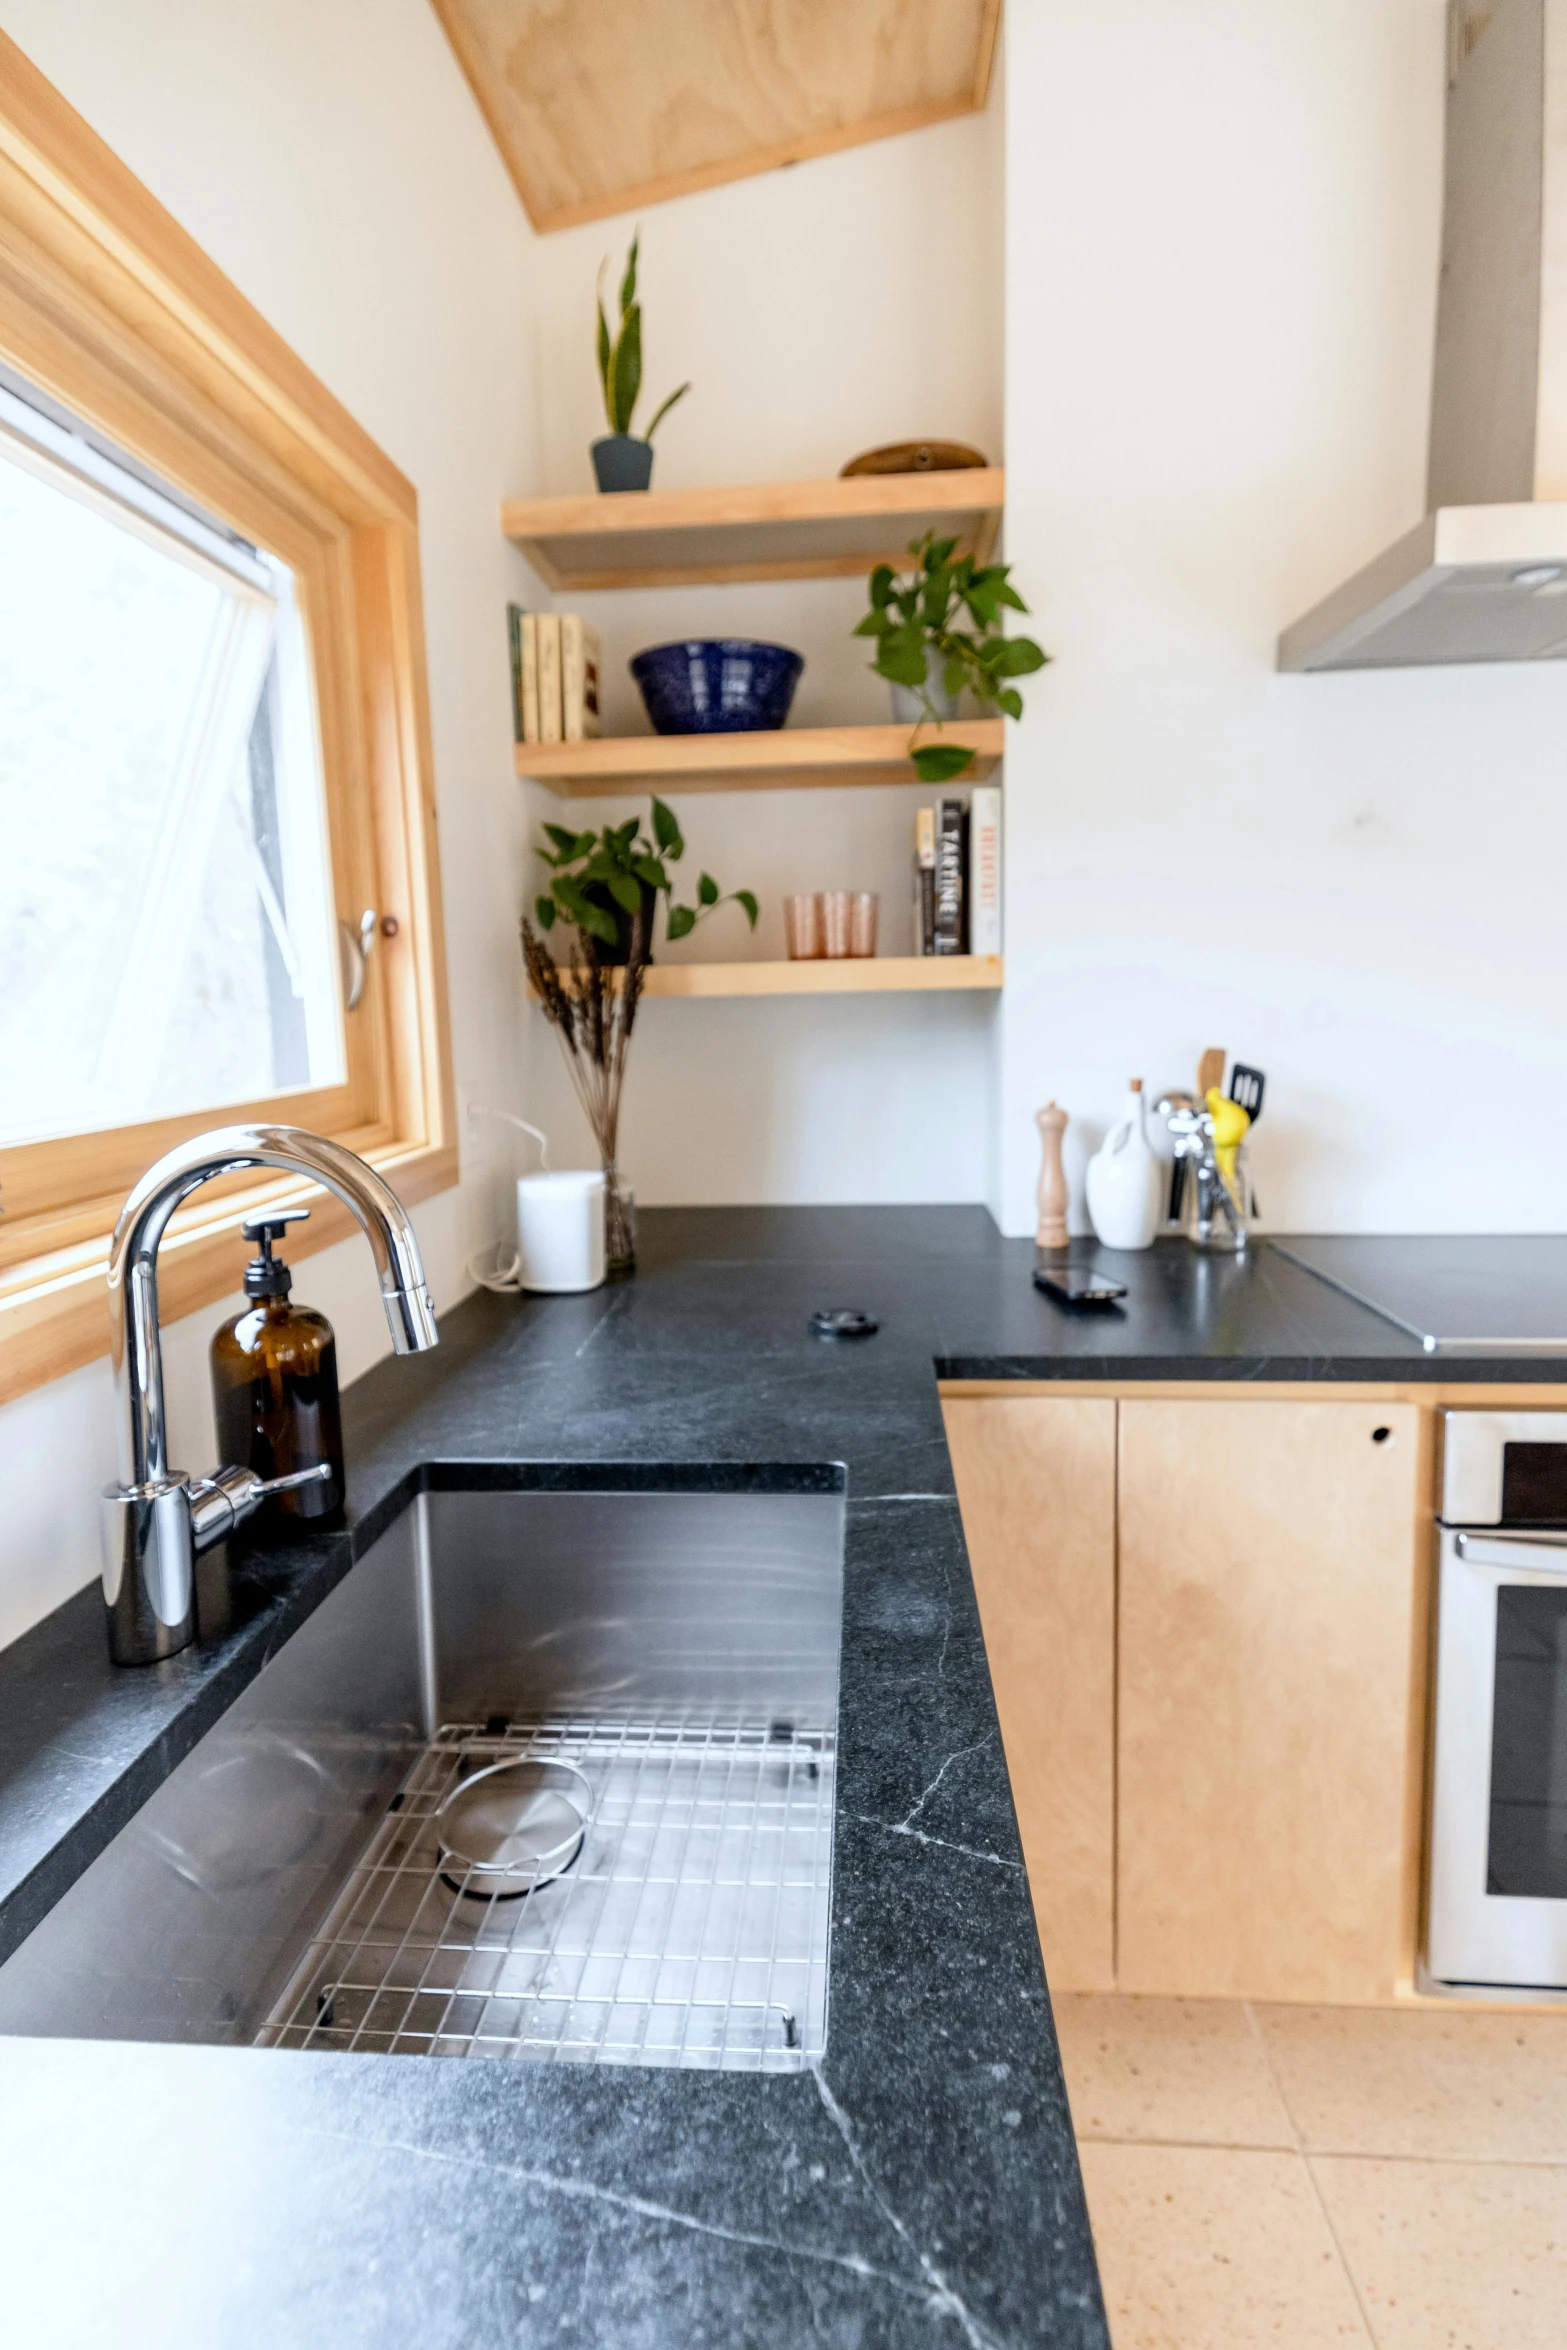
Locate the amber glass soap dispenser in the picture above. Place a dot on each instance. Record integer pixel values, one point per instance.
(274, 1386)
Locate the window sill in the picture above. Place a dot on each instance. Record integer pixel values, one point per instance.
(54, 1311)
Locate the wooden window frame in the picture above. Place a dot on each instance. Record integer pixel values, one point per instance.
(111, 308)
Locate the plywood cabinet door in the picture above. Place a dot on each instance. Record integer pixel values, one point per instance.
(1270, 1559)
(1036, 1485)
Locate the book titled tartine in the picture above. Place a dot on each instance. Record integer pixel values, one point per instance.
(951, 924)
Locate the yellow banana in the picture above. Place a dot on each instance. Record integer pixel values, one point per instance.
(1230, 1126)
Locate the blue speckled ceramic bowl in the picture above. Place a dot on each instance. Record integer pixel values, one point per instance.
(717, 685)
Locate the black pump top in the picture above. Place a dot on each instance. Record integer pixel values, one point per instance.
(267, 1275)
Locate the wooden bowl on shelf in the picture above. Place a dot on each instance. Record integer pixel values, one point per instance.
(915, 457)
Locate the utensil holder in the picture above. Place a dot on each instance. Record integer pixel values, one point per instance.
(1217, 1208)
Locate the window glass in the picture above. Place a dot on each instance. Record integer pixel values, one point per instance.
(167, 936)
(1527, 1854)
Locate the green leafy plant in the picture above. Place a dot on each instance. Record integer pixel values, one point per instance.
(620, 355)
(949, 606)
(606, 885)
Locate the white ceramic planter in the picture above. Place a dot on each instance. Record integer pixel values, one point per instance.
(907, 706)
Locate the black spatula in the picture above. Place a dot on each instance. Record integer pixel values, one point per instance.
(1247, 1087)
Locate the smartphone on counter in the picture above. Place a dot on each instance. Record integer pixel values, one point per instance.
(1078, 1285)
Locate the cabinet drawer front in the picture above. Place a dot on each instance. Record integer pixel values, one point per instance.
(1270, 1562)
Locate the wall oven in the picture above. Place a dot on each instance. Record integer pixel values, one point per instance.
(1497, 1907)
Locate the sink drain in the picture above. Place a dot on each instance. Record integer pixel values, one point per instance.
(512, 1828)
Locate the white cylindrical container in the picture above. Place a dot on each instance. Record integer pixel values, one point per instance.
(560, 1230)
(1127, 1181)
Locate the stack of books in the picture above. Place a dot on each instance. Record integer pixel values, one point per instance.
(554, 676)
(957, 876)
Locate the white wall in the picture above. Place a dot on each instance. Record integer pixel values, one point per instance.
(817, 312)
(1222, 226)
(332, 162)
(1219, 287)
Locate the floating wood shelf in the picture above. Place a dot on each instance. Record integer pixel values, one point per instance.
(772, 530)
(792, 759)
(850, 975)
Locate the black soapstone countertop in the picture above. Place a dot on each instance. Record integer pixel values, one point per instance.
(921, 2185)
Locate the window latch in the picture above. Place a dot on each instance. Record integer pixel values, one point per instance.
(355, 946)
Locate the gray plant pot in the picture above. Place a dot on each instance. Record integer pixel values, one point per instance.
(907, 707)
(622, 462)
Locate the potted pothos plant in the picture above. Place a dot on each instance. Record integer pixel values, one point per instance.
(938, 633)
(601, 904)
(622, 460)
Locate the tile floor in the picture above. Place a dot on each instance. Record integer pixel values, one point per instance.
(1296, 2176)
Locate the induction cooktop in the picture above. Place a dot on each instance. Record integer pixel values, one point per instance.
(1458, 1295)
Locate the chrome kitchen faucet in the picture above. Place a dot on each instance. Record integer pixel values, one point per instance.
(157, 1519)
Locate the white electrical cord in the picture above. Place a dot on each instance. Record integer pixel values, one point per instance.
(503, 1278)
(480, 1110)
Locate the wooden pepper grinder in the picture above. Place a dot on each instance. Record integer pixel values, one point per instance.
(1052, 1233)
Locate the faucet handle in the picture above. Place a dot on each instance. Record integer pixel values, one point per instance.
(294, 1477)
(228, 1497)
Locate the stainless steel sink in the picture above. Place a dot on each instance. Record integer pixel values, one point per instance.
(289, 1884)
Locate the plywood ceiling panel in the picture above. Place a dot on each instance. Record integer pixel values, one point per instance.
(599, 106)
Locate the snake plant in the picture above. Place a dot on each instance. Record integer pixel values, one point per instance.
(620, 355)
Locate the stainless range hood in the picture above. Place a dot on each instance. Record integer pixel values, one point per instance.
(1484, 576)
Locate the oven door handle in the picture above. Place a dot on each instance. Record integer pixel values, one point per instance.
(1530, 1552)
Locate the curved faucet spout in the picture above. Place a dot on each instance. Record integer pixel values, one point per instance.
(133, 1263)
(156, 1520)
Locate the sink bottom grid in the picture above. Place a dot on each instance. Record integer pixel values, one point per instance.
(691, 1928)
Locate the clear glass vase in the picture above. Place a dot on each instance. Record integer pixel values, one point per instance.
(620, 1223)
